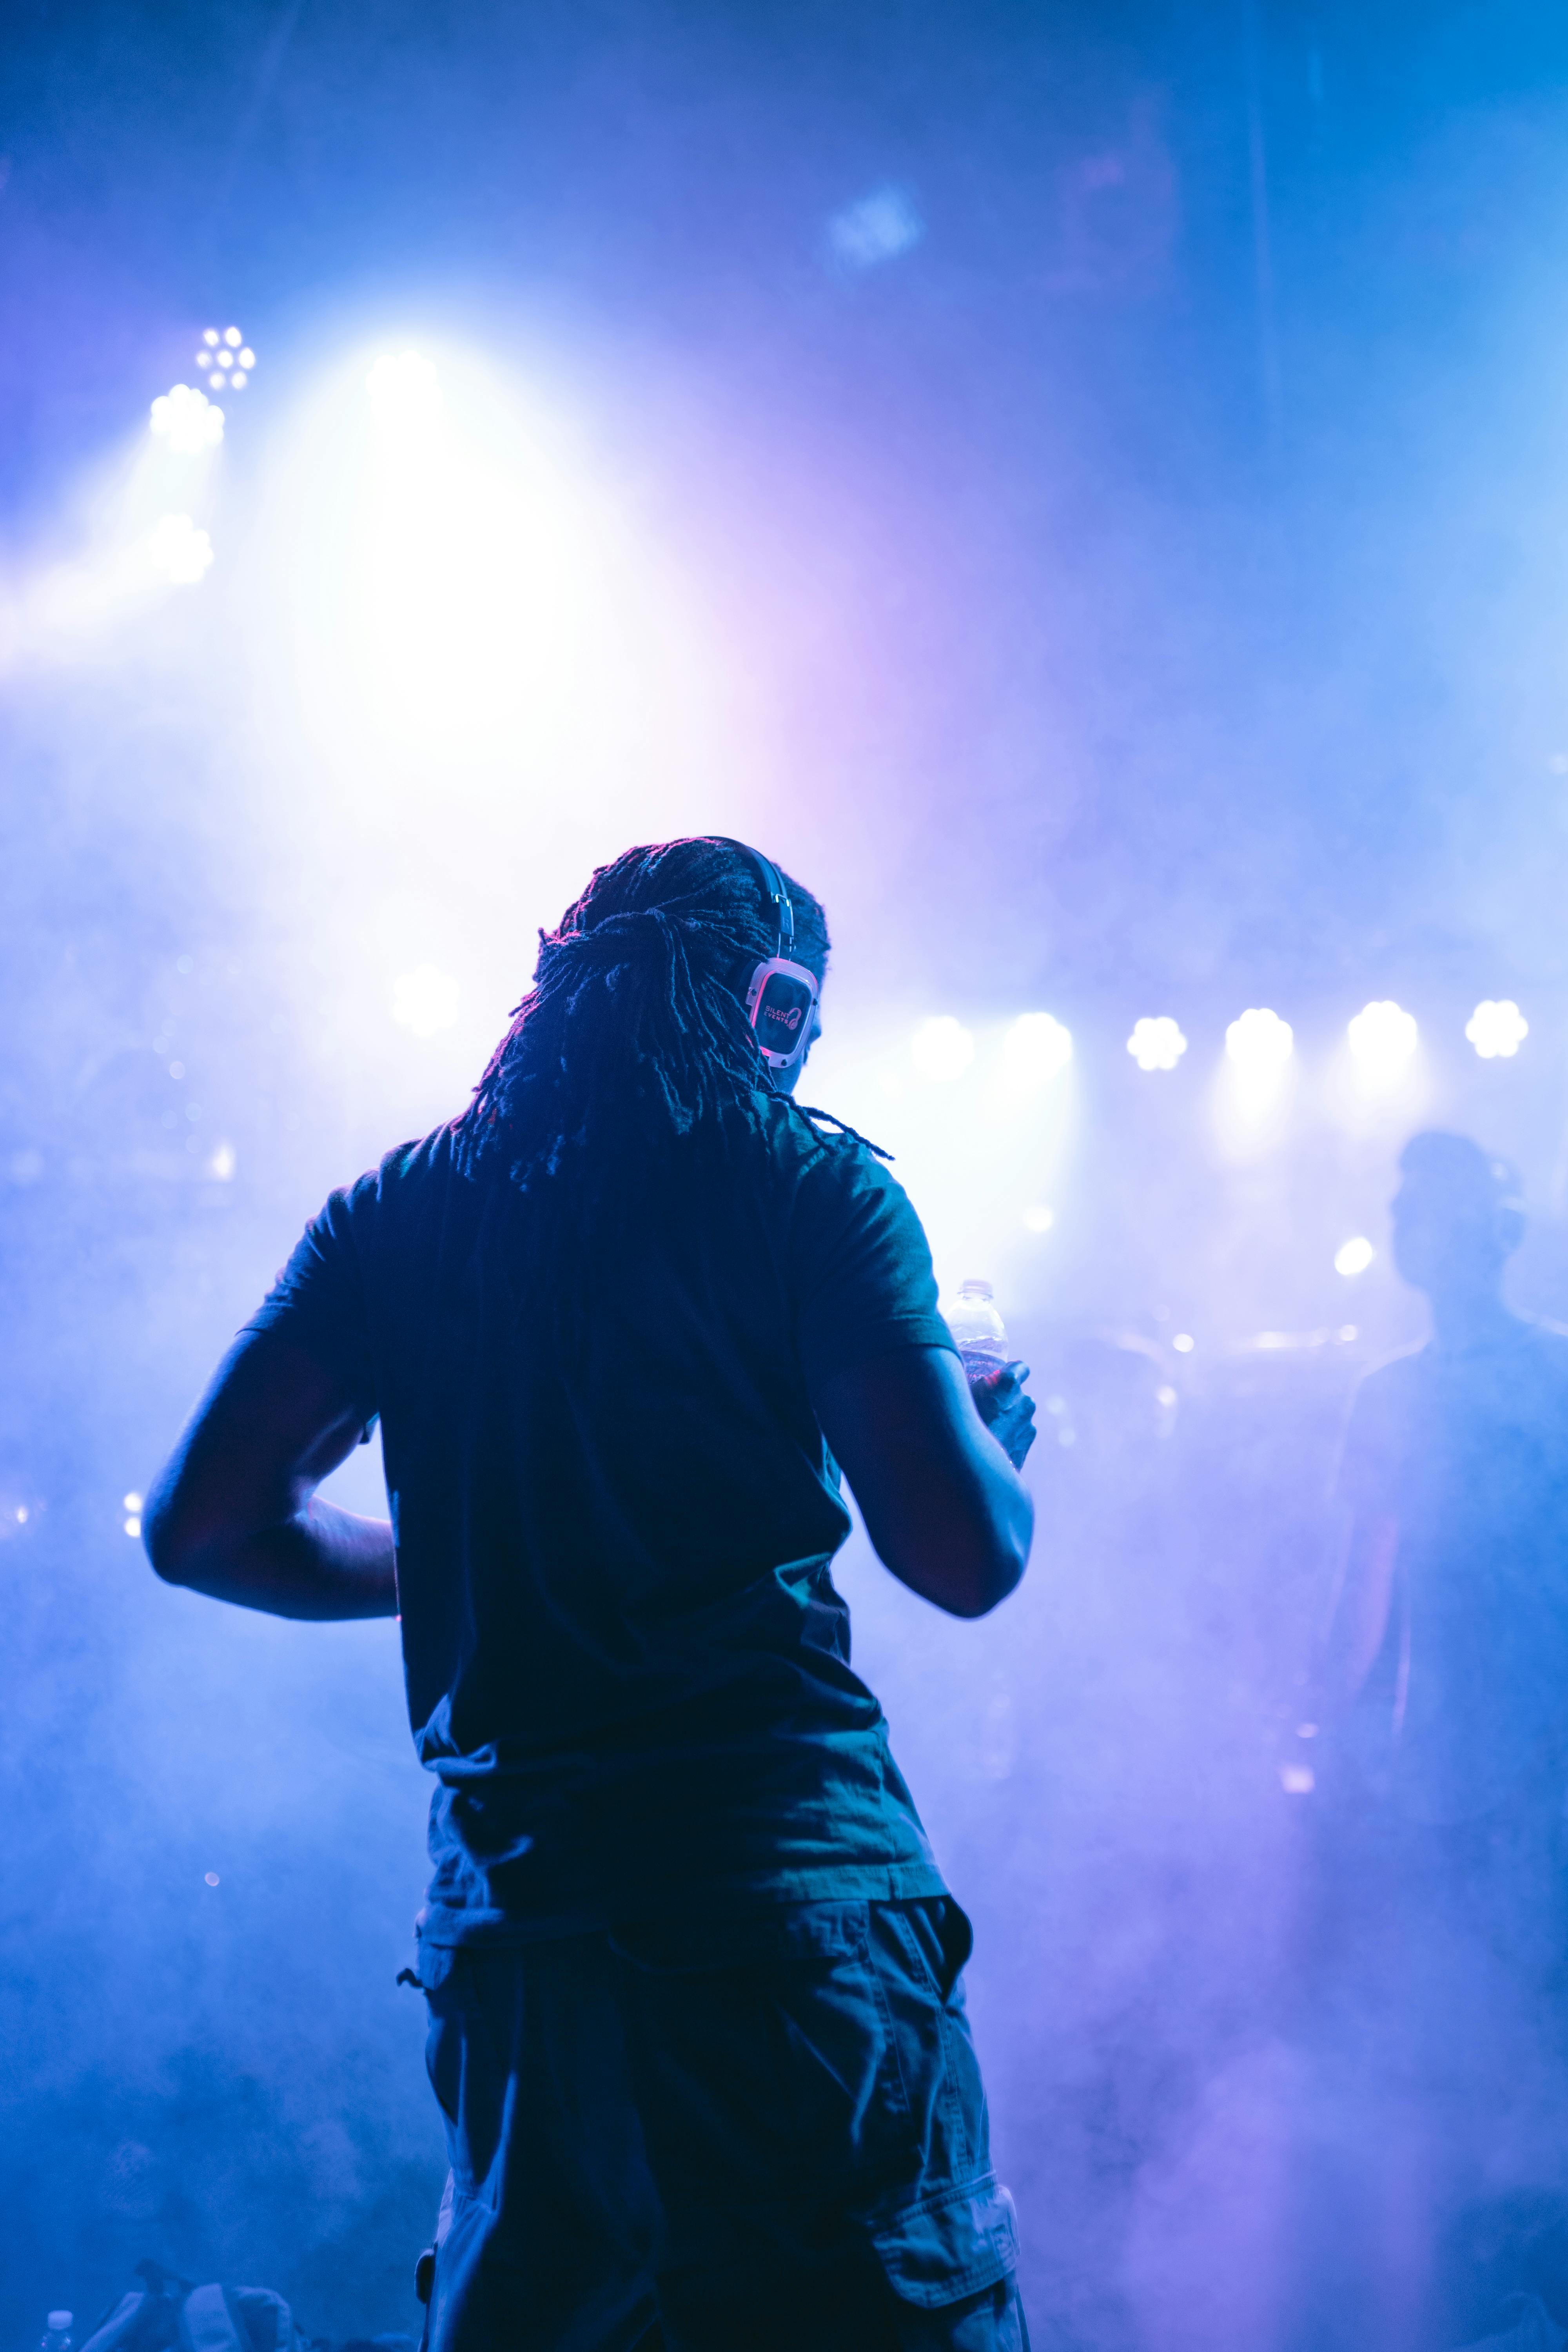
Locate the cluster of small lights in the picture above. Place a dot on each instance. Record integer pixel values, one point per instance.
(132, 1506)
(1257, 1040)
(1497, 1029)
(1036, 1048)
(187, 420)
(1382, 1037)
(226, 358)
(1156, 1043)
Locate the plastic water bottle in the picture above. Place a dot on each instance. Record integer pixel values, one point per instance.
(57, 2333)
(978, 1329)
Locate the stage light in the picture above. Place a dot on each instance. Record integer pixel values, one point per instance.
(222, 1164)
(1497, 1029)
(405, 389)
(132, 1503)
(877, 227)
(177, 552)
(187, 420)
(425, 1000)
(1039, 1219)
(1183, 1343)
(941, 1048)
(1382, 1037)
(227, 351)
(1354, 1257)
(1034, 1049)
(1259, 1043)
(1156, 1043)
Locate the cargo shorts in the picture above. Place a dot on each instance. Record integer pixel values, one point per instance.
(760, 2133)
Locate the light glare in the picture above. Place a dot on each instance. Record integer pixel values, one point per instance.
(178, 551)
(425, 1000)
(1259, 1041)
(1036, 1048)
(186, 419)
(1382, 1037)
(1039, 1219)
(943, 1048)
(1354, 1257)
(1156, 1043)
(404, 387)
(877, 227)
(1497, 1028)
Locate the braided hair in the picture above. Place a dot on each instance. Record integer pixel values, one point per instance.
(632, 1041)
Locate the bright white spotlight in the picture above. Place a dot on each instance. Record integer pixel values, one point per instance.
(247, 357)
(1156, 1043)
(877, 227)
(1382, 1037)
(1354, 1257)
(1039, 1219)
(404, 387)
(1035, 1048)
(425, 1000)
(1259, 1043)
(186, 419)
(210, 335)
(1497, 1029)
(941, 1048)
(178, 551)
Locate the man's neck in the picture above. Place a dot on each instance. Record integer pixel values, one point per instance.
(1471, 1318)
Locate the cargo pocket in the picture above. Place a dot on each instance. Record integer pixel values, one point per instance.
(950, 2246)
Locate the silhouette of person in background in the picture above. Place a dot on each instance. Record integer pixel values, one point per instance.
(1449, 1652)
(1439, 2058)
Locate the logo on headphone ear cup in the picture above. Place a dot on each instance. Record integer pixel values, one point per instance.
(780, 999)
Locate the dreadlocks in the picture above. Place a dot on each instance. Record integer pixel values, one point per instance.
(631, 1037)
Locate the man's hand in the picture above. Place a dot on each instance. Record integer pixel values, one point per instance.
(1007, 1409)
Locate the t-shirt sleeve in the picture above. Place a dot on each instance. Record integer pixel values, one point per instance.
(319, 1299)
(860, 1266)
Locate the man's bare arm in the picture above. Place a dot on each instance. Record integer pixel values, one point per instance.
(233, 1511)
(941, 1502)
(1363, 1596)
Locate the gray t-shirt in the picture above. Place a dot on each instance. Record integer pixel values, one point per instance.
(1468, 1450)
(626, 1661)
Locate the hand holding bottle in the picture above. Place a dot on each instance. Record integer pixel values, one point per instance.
(995, 1381)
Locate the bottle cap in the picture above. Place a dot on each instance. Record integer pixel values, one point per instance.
(60, 2320)
(974, 1287)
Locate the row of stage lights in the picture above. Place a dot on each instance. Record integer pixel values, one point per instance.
(184, 416)
(1381, 1038)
